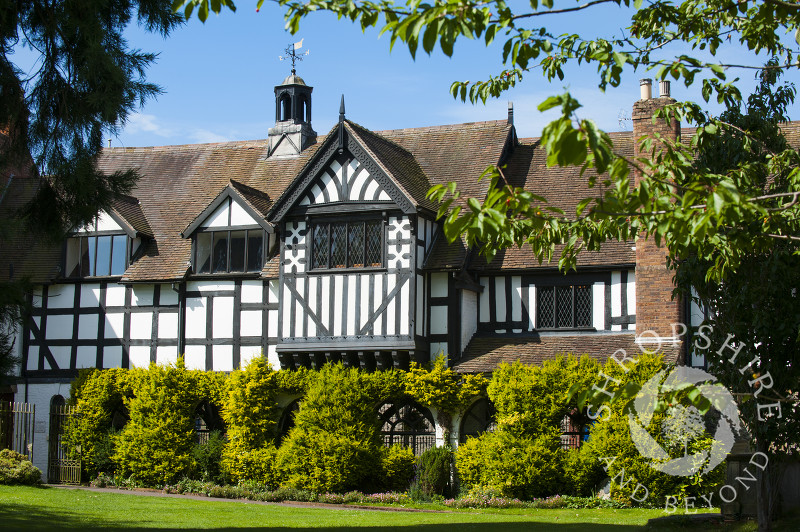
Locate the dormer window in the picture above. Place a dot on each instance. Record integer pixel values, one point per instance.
(97, 255)
(101, 249)
(230, 235)
(240, 250)
(347, 244)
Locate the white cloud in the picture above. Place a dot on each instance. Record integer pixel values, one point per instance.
(144, 123)
(204, 136)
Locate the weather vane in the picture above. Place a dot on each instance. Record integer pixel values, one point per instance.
(291, 53)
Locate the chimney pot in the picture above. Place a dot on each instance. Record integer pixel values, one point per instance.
(646, 88)
(663, 88)
(510, 113)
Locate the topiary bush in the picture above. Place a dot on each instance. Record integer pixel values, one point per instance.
(334, 445)
(155, 447)
(434, 469)
(15, 468)
(250, 411)
(521, 467)
(398, 467)
(612, 446)
(97, 395)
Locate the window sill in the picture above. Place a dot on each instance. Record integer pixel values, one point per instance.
(328, 271)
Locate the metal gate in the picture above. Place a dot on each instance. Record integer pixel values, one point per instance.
(60, 469)
(16, 427)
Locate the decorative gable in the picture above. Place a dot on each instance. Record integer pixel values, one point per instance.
(355, 166)
(351, 182)
(233, 207)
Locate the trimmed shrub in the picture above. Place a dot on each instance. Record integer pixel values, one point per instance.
(97, 396)
(520, 467)
(583, 472)
(434, 472)
(155, 447)
(15, 468)
(398, 467)
(240, 464)
(611, 445)
(335, 445)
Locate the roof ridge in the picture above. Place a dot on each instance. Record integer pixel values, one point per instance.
(446, 127)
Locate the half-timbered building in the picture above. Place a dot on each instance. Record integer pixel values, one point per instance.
(310, 249)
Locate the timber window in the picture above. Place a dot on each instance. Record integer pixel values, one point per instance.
(240, 250)
(97, 255)
(564, 307)
(347, 244)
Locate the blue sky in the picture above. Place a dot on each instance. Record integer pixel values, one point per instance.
(218, 79)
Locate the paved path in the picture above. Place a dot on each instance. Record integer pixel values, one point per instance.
(149, 492)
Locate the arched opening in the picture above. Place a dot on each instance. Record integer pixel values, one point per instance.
(286, 422)
(304, 112)
(574, 429)
(207, 420)
(479, 418)
(407, 423)
(285, 107)
(60, 469)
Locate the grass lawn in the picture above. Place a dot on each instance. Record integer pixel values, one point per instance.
(23, 508)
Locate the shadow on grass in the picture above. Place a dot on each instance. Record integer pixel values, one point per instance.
(29, 519)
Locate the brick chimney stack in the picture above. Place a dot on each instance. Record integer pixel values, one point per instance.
(656, 311)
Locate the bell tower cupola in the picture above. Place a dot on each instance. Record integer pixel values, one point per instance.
(292, 132)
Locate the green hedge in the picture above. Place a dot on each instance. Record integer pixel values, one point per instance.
(335, 444)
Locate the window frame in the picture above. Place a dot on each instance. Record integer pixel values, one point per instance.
(228, 230)
(555, 307)
(93, 237)
(316, 222)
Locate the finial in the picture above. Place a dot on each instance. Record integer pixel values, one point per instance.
(341, 110)
(291, 53)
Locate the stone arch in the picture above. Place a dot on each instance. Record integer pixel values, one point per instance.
(479, 418)
(408, 423)
(286, 421)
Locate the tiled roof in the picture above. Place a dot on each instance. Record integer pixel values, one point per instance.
(178, 182)
(484, 353)
(398, 163)
(21, 253)
(131, 210)
(563, 188)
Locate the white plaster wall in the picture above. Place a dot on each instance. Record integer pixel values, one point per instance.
(218, 218)
(239, 216)
(631, 292)
(599, 306)
(195, 357)
(439, 284)
(439, 320)
(61, 296)
(106, 223)
(40, 395)
(469, 316)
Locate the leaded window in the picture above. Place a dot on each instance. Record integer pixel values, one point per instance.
(347, 244)
(564, 307)
(226, 251)
(97, 255)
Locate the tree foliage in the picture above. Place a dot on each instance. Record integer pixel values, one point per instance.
(84, 82)
(711, 214)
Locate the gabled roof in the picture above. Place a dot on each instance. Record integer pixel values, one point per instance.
(177, 183)
(127, 211)
(390, 164)
(254, 202)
